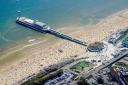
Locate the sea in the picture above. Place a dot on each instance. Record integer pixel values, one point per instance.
(55, 13)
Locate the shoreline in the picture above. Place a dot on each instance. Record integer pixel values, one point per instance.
(26, 45)
(15, 56)
(32, 62)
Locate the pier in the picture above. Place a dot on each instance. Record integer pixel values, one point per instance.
(64, 36)
(43, 28)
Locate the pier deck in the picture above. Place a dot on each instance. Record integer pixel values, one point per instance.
(64, 36)
(42, 27)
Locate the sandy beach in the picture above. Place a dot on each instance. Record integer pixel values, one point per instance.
(48, 54)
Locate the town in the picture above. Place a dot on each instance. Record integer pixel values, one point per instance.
(109, 68)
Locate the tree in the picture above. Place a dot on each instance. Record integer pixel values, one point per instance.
(100, 80)
(82, 81)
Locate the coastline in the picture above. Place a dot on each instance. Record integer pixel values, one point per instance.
(9, 53)
(38, 58)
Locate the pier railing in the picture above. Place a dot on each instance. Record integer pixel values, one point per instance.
(64, 36)
(47, 29)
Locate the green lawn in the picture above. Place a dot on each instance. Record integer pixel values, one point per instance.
(81, 66)
(126, 37)
(42, 78)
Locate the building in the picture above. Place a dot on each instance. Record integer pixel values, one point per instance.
(124, 76)
(125, 43)
(95, 47)
(118, 36)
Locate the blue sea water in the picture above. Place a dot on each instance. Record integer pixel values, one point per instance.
(56, 13)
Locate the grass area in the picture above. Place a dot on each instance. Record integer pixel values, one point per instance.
(126, 37)
(42, 78)
(81, 66)
(35, 80)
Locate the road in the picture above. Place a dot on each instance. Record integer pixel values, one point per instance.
(106, 64)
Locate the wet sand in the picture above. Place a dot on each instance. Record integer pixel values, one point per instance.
(48, 54)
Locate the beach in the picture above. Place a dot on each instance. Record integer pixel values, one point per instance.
(47, 54)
